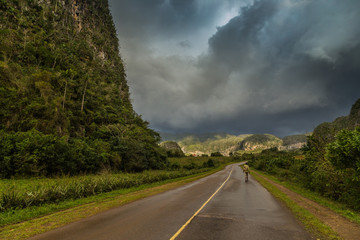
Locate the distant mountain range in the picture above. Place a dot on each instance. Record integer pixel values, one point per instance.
(199, 144)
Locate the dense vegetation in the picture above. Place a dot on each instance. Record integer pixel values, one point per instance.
(330, 164)
(64, 99)
(20, 193)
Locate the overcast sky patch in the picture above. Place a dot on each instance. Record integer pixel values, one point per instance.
(240, 66)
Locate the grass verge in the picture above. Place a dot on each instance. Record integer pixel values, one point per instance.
(311, 223)
(337, 207)
(48, 217)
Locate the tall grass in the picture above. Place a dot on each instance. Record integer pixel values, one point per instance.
(42, 191)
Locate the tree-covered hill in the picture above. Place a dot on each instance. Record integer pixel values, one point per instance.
(326, 132)
(332, 159)
(64, 97)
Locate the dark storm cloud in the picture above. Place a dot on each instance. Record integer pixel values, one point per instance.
(291, 57)
(185, 44)
(164, 18)
(279, 66)
(185, 7)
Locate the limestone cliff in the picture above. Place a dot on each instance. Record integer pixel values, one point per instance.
(62, 78)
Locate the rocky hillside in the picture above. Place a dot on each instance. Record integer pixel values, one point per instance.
(223, 143)
(63, 83)
(198, 145)
(260, 142)
(293, 142)
(172, 149)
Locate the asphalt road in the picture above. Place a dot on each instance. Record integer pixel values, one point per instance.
(238, 210)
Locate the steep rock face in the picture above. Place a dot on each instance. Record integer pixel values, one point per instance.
(293, 142)
(260, 142)
(293, 146)
(210, 143)
(60, 67)
(62, 77)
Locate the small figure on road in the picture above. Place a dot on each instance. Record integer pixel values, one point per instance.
(246, 170)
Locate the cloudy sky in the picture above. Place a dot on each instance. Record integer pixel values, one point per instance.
(240, 66)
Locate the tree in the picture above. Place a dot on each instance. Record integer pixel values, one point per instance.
(344, 152)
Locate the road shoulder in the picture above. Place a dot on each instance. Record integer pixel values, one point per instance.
(319, 220)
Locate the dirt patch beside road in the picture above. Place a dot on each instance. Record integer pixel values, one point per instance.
(346, 229)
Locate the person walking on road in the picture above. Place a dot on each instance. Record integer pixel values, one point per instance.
(246, 170)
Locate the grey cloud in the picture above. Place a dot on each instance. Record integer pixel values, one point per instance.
(184, 7)
(278, 67)
(165, 18)
(252, 45)
(185, 44)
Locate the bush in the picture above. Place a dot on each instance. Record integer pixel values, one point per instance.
(344, 152)
(191, 166)
(209, 163)
(216, 154)
(175, 166)
(344, 155)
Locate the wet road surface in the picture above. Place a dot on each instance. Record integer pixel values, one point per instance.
(238, 211)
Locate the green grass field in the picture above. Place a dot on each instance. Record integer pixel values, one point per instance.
(23, 199)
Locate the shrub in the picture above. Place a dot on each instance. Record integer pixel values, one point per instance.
(210, 163)
(175, 166)
(216, 154)
(191, 166)
(344, 152)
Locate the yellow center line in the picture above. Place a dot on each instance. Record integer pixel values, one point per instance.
(187, 223)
